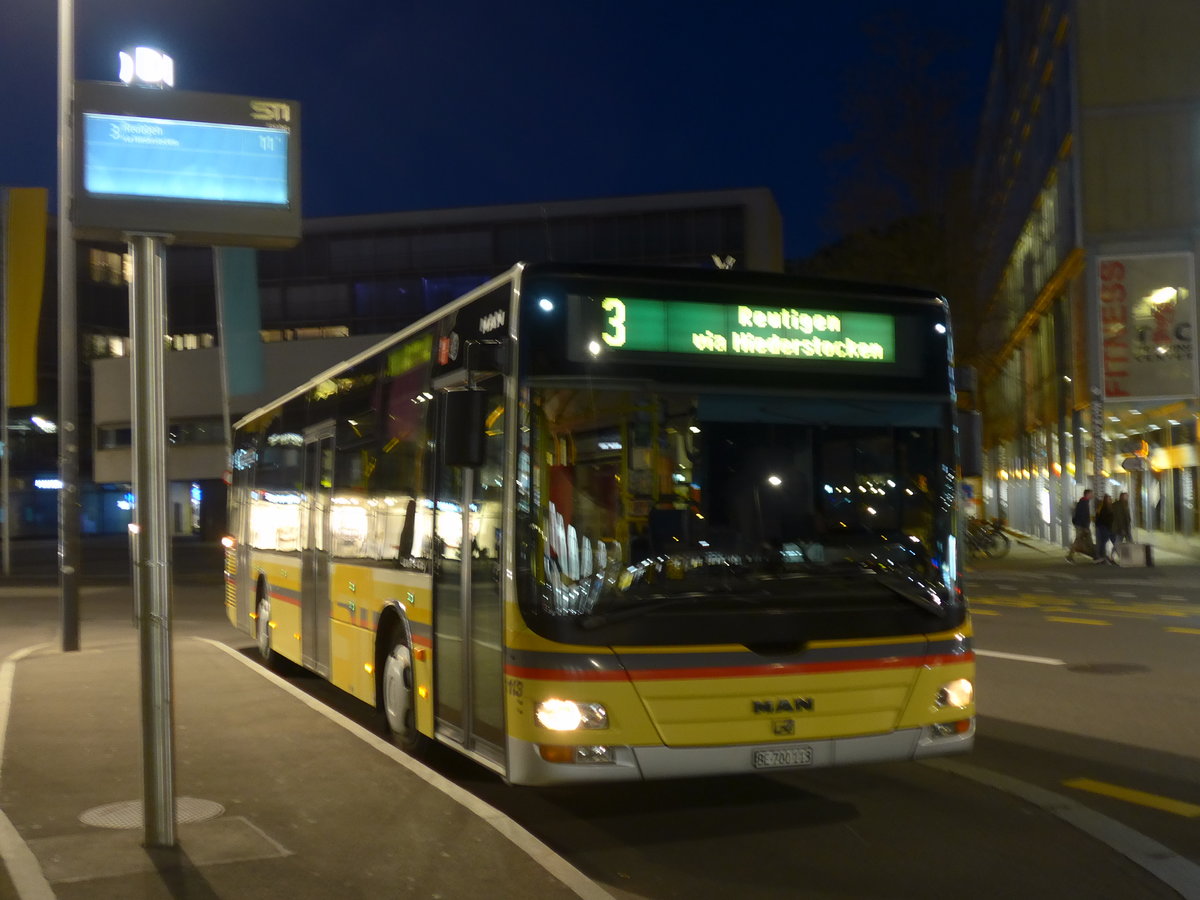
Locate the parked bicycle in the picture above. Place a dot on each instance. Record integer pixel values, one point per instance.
(987, 538)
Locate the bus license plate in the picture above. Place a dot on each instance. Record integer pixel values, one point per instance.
(787, 756)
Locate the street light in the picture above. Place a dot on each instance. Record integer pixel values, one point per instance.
(147, 67)
(150, 542)
(774, 481)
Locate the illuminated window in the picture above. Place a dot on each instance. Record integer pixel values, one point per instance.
(190, 341)
(108, 268)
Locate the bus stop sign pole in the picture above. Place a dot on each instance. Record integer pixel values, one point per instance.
(147, 310)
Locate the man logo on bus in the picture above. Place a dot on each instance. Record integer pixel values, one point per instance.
(796, 704)
(491, 321)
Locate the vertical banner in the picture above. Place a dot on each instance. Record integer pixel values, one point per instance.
(240, 319)
(24, 231)
(1148, 326)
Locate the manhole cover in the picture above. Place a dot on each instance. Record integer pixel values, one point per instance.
(128, 813)
(1108, 668)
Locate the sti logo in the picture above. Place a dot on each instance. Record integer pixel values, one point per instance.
(270, 111)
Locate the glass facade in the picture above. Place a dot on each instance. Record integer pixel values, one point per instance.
(1086, 349)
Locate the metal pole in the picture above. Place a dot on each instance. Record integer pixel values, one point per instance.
(5, 496)
(147, 325)
(68, 378)
(222, 361)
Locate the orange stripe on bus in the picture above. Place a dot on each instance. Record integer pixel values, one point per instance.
(892, 662)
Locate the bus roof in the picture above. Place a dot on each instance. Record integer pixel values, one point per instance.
(678, 275)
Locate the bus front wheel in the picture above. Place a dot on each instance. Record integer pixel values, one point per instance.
(262, 631)
(399, 698)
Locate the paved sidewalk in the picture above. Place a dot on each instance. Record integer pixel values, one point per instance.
(288, 803)
(1039, 558)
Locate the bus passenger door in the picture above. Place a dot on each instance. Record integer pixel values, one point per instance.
(316, 547)
(468, 613)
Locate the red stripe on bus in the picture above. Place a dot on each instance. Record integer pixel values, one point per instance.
(294, 601)
(738, 671)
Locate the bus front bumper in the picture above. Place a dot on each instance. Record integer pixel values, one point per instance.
(526, 765)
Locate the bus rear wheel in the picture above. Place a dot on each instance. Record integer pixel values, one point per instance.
(398, 698)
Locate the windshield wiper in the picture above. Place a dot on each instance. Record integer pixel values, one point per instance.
(913, 589)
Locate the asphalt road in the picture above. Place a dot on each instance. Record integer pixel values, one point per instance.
(1070, 779)
(1090, 686)
(1088, 754)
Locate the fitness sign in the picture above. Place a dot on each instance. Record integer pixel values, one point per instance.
(1148, 326)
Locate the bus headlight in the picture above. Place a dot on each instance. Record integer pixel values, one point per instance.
(958, 693)
(568, 715)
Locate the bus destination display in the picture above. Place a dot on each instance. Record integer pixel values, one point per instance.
(746, 330)
(145, 157)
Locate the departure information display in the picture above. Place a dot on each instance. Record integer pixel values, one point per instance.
(133, 156)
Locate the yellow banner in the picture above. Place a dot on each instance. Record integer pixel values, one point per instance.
(25, 267)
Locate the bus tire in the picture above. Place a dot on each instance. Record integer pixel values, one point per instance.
(262, 629)
(397, 697)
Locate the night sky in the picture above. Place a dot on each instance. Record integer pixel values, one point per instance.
(420, 105)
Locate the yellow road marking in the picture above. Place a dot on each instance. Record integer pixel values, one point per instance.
(1149, 610)
(1031, 603)
(1076, 621)
(984, 612)
(1154, 801)
(1183, 630)
(1097, 604)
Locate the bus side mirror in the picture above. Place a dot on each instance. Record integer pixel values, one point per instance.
(485, 357)
(464, 440)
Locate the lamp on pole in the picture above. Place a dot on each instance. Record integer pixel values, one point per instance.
(145, 67)
(773, 481)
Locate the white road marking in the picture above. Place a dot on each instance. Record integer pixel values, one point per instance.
(1163, 863)
(1017, 657)
(22, 865)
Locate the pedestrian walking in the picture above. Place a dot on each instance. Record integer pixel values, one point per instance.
(1082, 520)
(1104, 530)
(1122, 521)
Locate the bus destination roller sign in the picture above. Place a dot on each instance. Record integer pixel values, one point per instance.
(747, 330)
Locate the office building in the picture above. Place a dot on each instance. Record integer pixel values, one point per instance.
(1085, 185)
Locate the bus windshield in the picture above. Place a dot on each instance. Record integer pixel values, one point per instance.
(734, 516)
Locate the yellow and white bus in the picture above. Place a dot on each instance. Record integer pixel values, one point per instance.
(604, 523)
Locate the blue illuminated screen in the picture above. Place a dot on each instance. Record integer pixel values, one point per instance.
(141, 157)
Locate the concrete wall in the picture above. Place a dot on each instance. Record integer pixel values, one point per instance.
(193, 391)
(1139, 93)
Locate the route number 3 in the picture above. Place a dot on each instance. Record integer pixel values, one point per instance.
(614, 326)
